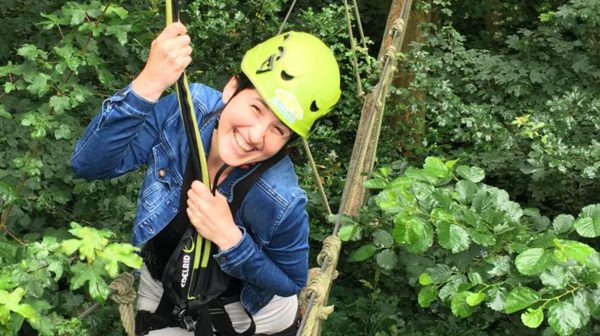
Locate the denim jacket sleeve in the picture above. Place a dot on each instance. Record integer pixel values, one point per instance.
(120, 138)
(279, 266)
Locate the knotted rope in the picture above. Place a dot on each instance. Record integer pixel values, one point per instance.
(124, 294)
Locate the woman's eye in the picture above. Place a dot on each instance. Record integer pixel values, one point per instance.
(279, 131)
(255, 108)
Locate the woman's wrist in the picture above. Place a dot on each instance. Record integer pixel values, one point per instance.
(229, 240)
(147, 88)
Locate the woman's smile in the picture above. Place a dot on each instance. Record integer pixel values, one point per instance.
(242, 143)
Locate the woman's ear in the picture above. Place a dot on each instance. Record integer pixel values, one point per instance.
(229, 89)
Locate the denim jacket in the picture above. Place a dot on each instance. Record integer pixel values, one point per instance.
(272, 256)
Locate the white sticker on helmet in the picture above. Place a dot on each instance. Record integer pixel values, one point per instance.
(287, 105)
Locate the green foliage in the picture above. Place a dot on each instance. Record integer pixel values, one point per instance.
(34, 275)
(57, 64)
(483, 251)
(518, 98)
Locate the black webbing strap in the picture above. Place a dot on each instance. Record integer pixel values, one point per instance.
(241, 188)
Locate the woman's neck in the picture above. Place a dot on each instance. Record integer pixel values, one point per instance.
(214, 161)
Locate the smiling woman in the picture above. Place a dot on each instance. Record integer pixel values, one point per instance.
(286, 84)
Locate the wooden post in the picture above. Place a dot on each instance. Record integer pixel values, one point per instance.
(369, 127)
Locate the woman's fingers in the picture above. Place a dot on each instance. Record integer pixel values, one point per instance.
(172, 30)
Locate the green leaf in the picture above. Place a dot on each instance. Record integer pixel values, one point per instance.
(427, 295)
(452, 287)
(31, 52)
(563, 223)
(439, 273)
(124, 253)
(533, 261)
(4, 114)
(520, 298)
(62, 132)
(475, 278)
(580, 252)
(588, 223)
(465, 190)
(452, 237)
(118, 10)
(363, 253)
(473, 174)
(425, 279)
(564, 318)
(497, 299)
(532, 318)
(11, 301)
(475, 299)
(92, 275)
(92, 241)
(459, 305)
(386, 259)
(555, 277)
(382, 238)
(435, 167)
(60, 103)
(39, 85)
(412, 233)
(481, 238)
(501, 265)
(375, 183)
(346, 233)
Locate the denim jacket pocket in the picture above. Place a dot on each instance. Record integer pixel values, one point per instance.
(159, 178)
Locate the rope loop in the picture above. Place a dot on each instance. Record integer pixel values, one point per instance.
(123, 289)
(317, 287)
(390, 52)
(324, 312)
(331, 249)
(124, 294)
(399, 25)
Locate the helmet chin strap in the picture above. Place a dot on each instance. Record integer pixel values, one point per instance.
(217, 176)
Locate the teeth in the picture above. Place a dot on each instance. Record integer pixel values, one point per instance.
(239, 143)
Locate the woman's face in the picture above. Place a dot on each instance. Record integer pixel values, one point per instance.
(248, 130)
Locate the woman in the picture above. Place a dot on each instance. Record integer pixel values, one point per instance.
(286, 84)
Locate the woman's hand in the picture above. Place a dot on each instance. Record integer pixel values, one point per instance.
(211, 216)
(170, 54)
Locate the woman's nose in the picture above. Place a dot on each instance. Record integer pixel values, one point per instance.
(258, 132)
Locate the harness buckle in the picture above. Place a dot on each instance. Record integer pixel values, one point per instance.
(188, 323)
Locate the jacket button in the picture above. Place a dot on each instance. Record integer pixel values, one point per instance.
(162, 173)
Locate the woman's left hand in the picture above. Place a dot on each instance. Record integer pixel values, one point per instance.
(211, 216)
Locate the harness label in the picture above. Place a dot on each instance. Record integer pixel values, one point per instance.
(185, 270)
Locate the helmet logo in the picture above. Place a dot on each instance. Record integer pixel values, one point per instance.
(287, 105)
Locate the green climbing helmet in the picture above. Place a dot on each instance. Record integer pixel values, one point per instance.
(298, 77)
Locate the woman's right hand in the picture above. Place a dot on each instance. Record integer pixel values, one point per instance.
(170, 54)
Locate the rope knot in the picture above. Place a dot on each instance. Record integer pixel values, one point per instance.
(399, 25)
(122, 288)
(317, 287)
(124, 294)
(331, 249)
(390, 52)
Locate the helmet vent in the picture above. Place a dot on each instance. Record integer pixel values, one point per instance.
(286, 36)
(313, 106)
(286, 76)
(281, 53)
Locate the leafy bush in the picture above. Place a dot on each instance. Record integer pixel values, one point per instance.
(472, 249)
(524, 106)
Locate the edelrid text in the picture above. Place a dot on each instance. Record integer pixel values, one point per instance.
(185, 270)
